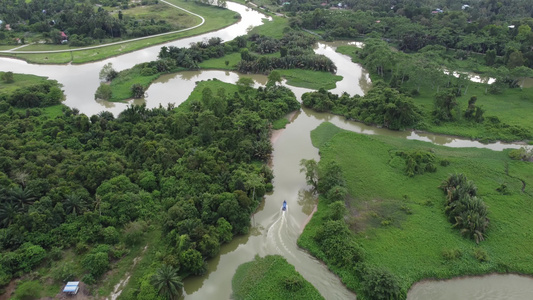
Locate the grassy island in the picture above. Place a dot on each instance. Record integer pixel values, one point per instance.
(271, 277)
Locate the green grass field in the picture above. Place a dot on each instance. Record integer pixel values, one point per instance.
(215, 18)
(310, 79)
(162, 11)
(20, 80)
(272, 28)
(399, 221)
(271, 277)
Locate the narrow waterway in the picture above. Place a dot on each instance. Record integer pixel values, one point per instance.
(272, 231)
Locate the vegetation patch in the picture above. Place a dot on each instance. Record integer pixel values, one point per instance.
(423, 244)
(271, 277)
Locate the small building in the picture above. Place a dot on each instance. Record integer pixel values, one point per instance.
(72, 287)
(465, 6)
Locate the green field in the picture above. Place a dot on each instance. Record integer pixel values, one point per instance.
(271, 277)
(272, 28)
(215, 18)
(399, 221)
(310, 79)
(20, 80)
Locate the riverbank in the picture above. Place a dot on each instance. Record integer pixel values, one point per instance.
(399, 220)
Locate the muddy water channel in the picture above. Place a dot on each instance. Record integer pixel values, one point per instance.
(272, 231)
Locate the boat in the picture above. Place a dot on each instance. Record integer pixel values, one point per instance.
(284, 207)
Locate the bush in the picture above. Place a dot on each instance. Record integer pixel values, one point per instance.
(133, 233)
(64, 272)
(8, 77)
(379, 283)
(293, 283)
(452, 254)
(481, 255)
(104, 92)
(28, 290)
(96, 263)
(137, 90)
(55, 253)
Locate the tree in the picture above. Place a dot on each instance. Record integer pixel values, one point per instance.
(22, 197)
(103, 92)
(490, 57)
(137, 90)
(521, 73)
(310, 167)
(8, 212)
(244, 84)
(167, 282)
(8, 77)
(273, 78)
(74, 204)
(445, 102)
(107, 73)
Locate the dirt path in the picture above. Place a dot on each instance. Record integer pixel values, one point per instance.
(119, 287)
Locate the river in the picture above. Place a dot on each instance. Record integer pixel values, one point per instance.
(272, 231)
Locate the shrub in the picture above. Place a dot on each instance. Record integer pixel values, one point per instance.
(379, 283)
(481, 255)
(28, 290)
(137, 90)
(293, 283)
(452, 254)
(64, 272)
(104, 92)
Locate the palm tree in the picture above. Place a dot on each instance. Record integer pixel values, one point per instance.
(167, 282)
(74, 204)
(8, 211)
(21, 196)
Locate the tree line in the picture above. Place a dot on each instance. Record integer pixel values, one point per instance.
(506, 40)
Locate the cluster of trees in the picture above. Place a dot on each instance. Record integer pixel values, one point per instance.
(506, 39)
(382, 105)
(295, 53)
(41, 94)
(197, 52)
(83, 22)
(97, 184)
(418, 162)
(464, 209)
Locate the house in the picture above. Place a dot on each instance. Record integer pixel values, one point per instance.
(72, 287)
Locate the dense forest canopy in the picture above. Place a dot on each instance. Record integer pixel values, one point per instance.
(95, 184)
(506, 37)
